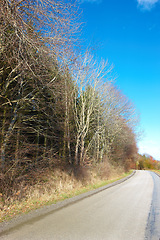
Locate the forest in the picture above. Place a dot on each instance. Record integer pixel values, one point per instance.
(59, 106)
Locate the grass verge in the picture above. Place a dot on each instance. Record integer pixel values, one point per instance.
(53, 187)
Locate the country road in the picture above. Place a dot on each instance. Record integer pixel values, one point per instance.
(127, 211)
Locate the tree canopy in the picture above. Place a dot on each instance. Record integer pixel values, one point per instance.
(54, 102)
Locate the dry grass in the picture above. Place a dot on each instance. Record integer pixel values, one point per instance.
(52, 186)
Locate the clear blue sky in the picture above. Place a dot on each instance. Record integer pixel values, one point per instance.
(128, 35)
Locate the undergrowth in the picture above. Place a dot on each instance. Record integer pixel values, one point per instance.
(49, 186)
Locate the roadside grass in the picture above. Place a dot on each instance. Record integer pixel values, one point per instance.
(156, 171)
(54, 187)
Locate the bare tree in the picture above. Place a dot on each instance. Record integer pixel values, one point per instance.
(119, 114)
(33, 36)
(111, 115)
(87, 78)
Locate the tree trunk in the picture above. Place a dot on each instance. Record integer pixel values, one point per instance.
(2, 139)
(17, 146)
(82, 149)
(77, 161)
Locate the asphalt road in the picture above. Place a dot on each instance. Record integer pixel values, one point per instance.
(130, 210)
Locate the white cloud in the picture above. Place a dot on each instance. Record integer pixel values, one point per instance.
(147, 4)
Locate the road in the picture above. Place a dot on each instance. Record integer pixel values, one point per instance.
(127, 211)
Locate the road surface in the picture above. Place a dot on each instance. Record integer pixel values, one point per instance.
(127, 211)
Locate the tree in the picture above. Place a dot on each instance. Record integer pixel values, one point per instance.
(33, 39)
(85, 100)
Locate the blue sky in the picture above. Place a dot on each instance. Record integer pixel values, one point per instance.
(127, 33)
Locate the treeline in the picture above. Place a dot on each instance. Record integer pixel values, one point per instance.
(145, 162)
(54, 102)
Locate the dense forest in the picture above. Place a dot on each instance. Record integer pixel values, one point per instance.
(57, 103)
